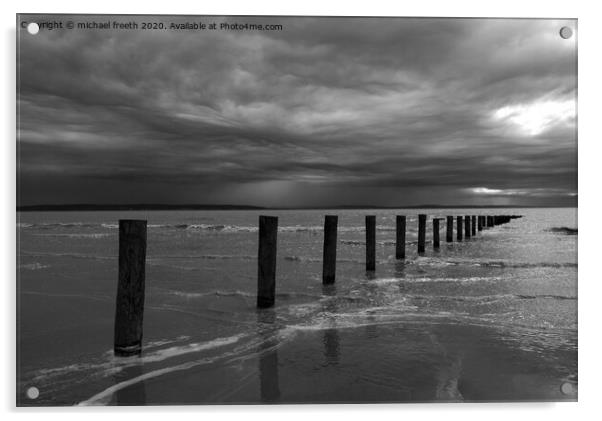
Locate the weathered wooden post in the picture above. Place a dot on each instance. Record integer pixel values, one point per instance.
(467, 226)
(330, 249)
(130, 288)
(421, 232)
(489, 221)
(400, 246)
(474, 225)
(459, 228)
(266, 261)
(449, 226)
(435, 233)
(480, 222)
(370, 243)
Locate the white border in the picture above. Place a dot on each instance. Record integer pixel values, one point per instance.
(590, 278)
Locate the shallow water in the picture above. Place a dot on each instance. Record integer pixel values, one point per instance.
(493, 318)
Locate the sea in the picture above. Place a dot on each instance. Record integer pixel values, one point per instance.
(490, 319)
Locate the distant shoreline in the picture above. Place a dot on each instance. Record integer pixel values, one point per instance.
(163, 207)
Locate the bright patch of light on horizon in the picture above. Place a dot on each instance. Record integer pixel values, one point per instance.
(535, 192)
(536, 117)
(485, 190)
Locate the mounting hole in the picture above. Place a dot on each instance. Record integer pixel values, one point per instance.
(33, 28)
(33, 393)
(566, 32)
(567, 388)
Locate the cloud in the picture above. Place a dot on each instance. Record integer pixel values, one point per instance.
(334, 109)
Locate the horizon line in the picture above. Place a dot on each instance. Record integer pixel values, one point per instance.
(164, 206)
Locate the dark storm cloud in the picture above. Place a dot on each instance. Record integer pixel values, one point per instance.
(327, 111)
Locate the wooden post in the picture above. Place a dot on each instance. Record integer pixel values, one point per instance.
(330, 249)
(370, 243)
(449, 226)
(435, 233)
(489, 221)
(480, 222)
(459, 228)
(400, 247)
(421, 232)
(266, 261)
(474, 225)
(467, 226)
(130, 287)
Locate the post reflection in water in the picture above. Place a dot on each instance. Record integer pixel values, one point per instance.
(400, 268)
(371, 328)
(331, 346)
(133, 395)
(268, 356)
(331, 334)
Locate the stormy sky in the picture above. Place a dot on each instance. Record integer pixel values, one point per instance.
(325, 112)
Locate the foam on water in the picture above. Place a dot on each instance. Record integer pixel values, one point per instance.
(225, 228)
(319, 260)
(475, 261)
(33, 266)
(69, 255)
(244, 351)
(109, 365)
(94, 235)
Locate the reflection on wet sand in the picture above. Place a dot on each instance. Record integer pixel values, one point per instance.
(133, 395)
(400, 273)
(331, 335)
(331, 346)
(371, 328)
(400, 268)
(448, 380)
(268, 356)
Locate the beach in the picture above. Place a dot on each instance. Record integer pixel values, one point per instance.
(491, 318)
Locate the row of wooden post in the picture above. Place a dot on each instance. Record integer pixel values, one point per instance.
(466, 227)
(132, 260)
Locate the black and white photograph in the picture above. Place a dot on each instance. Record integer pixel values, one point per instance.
(241, 209)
